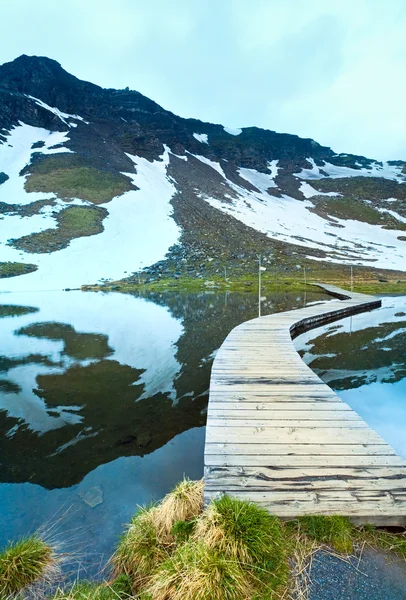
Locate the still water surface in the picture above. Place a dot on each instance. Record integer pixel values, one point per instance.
(103, 398)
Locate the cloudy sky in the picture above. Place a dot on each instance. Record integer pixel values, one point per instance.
(332, 71)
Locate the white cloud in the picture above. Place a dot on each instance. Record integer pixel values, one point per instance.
(330, 71)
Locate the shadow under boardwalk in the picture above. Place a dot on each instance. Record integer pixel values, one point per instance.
(277, 435)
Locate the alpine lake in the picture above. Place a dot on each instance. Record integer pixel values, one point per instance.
(103, 399)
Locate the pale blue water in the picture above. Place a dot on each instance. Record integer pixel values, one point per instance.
(363, 358)
(103, 399)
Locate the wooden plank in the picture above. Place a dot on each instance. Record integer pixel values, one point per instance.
(245, 413)
(271, 422)
(316, 449)
(282, 406)
(298, 460)
(270, 474)
(291, 435)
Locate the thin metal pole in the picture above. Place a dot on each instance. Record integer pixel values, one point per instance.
(225, 273)
(352, 281)
(304, 274)
(259, 285)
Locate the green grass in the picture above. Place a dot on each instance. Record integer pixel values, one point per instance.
(335, 531)
(364, 283)
(71, 177)
(246, 533)
(72, 222)
(13, 269)
(120, 588)
(23, 563)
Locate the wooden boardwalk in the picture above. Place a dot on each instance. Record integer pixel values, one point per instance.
(277, 435)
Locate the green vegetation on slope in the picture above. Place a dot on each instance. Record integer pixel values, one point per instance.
(357, 210)
(13, 269)
(364, 188)
(73, 222)
(25, 210)
(70, 176)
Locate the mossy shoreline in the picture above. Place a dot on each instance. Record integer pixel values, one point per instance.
(368, 284)
(180, 550)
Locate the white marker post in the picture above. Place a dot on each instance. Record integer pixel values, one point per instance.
(259, 285)
(260, 269)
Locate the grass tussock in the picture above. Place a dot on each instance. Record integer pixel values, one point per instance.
(194, 572)
(24, 563)
(245, 533)
(184, 503)
(140, 551)
(150, 537)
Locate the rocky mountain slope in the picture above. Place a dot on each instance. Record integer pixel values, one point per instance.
(98, 184)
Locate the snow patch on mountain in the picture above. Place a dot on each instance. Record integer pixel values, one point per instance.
(214, 165)
(138, 231)
(262, 181)
(231, 131)
(291, 221)
(385, 170)
(201, 137)
(308, 191)
(15, 154)
(392, 213)
(58, 113)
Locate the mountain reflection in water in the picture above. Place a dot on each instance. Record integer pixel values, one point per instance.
(363, 358)
(103, 402)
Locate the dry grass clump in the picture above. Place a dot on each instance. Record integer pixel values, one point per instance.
(139, 551)
(25, 563)
(383, 540)
(183, 503)
(149, 539)
(194, 572)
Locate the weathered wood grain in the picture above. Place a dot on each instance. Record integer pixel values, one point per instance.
(277, 435)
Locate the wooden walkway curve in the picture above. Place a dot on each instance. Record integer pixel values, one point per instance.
(279, 436)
